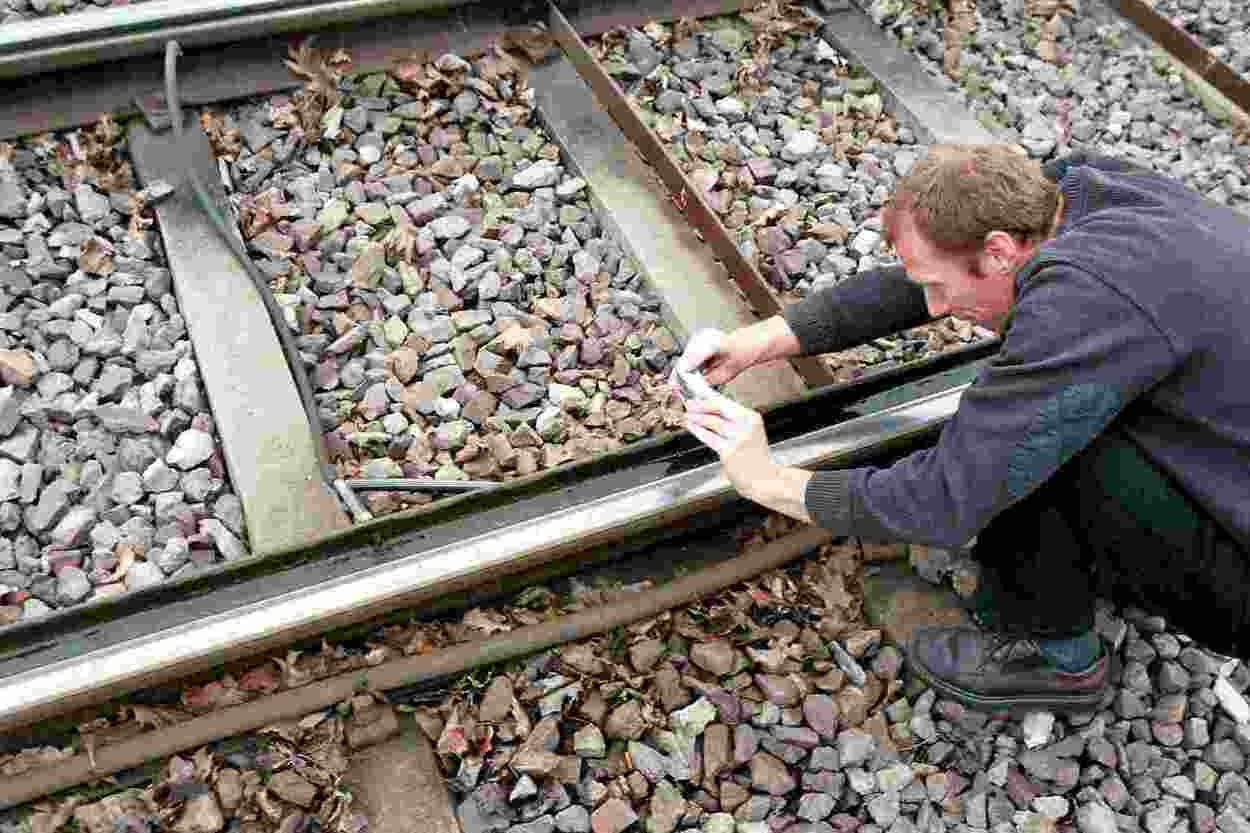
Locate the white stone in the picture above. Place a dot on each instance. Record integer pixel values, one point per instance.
(143, 574)
(1232, 702)
(465, 185)
(192, 448)
(230, 547)
(10, 480)
(73, 528)
(1037, 727)
(865, 243)
(802, 144)
(825, 52)
(467, 257)
(1096, 818)
(542, 174)
(1051, 806)
(449, 227)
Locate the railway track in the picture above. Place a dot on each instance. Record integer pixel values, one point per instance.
(322, 572)
(87, 653)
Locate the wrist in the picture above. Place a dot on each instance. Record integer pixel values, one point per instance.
(771, 339)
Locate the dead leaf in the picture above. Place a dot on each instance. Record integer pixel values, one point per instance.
(51, 821)
(534, 45)
(126, 554)
(203, 760)
(260, 679)
(226, 141)
(210, 696)
(613, 37)
(488, 621)
(453, 740)
(309, 64)
(658, 32)
(523, 724)
(154, 717)
(684, 28)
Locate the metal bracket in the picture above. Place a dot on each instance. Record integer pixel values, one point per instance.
(684, 193)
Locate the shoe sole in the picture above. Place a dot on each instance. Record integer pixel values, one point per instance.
(1018, 704)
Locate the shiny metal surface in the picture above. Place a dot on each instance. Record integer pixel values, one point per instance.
(30, 696)
(97, 35)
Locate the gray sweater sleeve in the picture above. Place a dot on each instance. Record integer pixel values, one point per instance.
(1076, 353)
(870, 305)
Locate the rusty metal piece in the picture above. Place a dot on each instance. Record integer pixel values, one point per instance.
(1182, 46)
(683, 192)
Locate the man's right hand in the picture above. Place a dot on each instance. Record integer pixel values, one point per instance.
(722, 356)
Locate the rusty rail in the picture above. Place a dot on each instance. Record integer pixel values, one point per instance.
(1186, 49)
(684, 193)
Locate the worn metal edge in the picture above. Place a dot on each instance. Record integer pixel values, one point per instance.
(116, 41)
(1188, 51)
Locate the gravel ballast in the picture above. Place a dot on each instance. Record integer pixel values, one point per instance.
(771, 707)
(462, 311)
(1222, 26)
(791, 146)
(111, 477)
(11, 11)
(1109, 92)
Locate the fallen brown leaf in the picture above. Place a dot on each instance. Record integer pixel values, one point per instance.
(488, 621)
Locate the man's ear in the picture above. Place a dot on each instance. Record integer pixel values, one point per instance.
(999, 253)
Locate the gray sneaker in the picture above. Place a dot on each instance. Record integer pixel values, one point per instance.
(992, 671)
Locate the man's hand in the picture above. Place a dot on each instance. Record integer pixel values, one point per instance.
(722, 356)
(736, 433)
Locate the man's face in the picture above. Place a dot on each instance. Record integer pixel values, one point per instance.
(977, 287)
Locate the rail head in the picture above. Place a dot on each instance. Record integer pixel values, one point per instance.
(97, 676)
(96, 36)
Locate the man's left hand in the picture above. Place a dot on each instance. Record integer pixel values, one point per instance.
(737, 434)
(734, 432)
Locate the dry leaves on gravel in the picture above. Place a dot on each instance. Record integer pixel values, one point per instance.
(321, 73)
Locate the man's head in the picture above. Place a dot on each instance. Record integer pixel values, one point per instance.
(963, 220)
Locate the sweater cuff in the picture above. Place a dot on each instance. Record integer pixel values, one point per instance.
(827, 500)
(809, 321)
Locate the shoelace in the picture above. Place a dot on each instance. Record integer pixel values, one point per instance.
(1008, 643)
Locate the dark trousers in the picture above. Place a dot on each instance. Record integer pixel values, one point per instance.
(1111, 523)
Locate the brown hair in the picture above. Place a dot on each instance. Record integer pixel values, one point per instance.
(957, 194)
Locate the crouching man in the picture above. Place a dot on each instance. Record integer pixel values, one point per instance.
(1105, 450)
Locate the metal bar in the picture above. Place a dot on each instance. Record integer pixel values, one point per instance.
(421, 484)
(686, 196)
(97, 36)
(172, 652)
(1182, 46)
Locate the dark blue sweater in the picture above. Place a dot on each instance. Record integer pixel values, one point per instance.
(1136, 309)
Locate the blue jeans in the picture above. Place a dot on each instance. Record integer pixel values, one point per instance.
(1110, 523)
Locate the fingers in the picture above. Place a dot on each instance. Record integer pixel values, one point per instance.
(718, 403)
(718, 371)
(711, 440)
(702, 346)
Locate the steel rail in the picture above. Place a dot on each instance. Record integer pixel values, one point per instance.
(100, 35)
(684, 193)
(173, 652)
(1185, 48)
